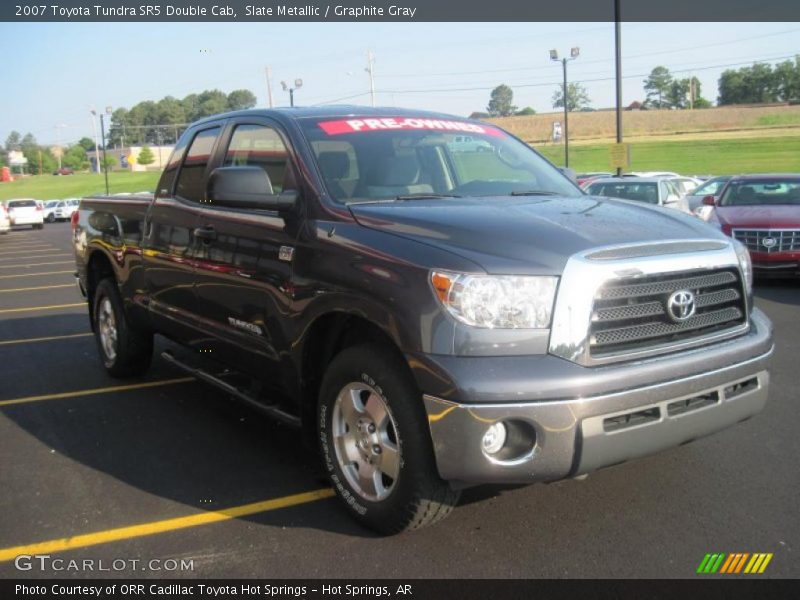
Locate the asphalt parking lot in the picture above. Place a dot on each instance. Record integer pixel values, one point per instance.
(97, 468)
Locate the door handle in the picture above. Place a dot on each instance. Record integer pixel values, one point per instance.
(207, 234)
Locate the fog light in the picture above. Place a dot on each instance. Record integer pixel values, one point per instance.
(494, 438)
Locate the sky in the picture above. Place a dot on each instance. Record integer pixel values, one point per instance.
(53, 73)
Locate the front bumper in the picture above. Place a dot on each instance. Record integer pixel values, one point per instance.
(576, 435)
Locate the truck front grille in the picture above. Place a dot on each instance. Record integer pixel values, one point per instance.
(634, 314)
(769, 240)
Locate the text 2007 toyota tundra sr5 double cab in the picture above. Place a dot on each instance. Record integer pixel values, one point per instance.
(432, 317)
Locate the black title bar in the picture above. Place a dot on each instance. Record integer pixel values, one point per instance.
(398, 11)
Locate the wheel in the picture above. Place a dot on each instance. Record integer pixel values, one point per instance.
(375, 444)
(124, 349)
(51, 218)
(38, 226)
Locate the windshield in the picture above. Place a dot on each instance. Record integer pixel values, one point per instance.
(711, 187)
(629, 190)
(755, 192)
(368, 159)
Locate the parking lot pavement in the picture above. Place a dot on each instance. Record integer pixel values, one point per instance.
(97, 468)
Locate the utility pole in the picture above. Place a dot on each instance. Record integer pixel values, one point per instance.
(574, 53)
(618, 67)
(691, 92)
(268, 72)
(58, 143)
(371, 71)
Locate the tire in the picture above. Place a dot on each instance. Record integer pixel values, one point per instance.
(51, 218)
(369, 409)
(38, 226)
(125, 350)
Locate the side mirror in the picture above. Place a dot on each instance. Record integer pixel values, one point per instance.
(247, 187)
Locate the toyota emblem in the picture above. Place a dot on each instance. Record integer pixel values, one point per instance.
(769, 242)
(681, 305)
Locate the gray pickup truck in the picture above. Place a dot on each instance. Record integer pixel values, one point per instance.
(430, 319)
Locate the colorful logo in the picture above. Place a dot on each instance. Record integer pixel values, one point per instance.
(734, 563)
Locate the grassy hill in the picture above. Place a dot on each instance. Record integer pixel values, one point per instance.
(601, 125)
(699, 157)
(47, 187)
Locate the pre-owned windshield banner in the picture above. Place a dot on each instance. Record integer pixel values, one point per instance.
(342, 126)
(400, 11)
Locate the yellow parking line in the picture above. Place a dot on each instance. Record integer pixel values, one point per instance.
(33, 257)
(34, 274)
(29, 265)
(24, 250)
(95, 391)
(44, 339)
(35, 308)
(43, 287)
(144, 529)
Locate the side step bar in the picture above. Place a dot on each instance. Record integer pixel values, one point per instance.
(206, 377)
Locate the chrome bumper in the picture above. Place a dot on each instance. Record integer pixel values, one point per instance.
(580, 435)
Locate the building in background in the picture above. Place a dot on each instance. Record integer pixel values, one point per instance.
(127, 158)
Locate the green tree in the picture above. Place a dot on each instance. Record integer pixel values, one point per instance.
(685, 93)
(109, 162)
(577, 97)
(749, 85)
(524, 112)
(86, 143)
(787, 80)
(501, 102)
(241, 99)
(657, 85)
(211, 102)
(146, 156)
(74, 157)
(13, 141)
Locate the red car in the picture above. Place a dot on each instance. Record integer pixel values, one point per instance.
(763, 212)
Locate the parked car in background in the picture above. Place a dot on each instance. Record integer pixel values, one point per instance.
(686, 185)
(468, 143)
(651, 174)
(5, 221)
(64, 171)
(650, 190)
(586, 177)
(763, 212)
(26, 211)
(712, 187)
(59, 210)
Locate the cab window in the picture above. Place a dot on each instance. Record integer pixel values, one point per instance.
(191, 179)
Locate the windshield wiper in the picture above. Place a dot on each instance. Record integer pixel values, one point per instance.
(533, 193)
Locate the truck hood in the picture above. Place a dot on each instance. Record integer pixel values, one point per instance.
(777, 216)
(528, 235)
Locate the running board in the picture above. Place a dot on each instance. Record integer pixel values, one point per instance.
(270, 411)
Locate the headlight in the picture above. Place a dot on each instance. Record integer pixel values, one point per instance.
(497, 302)
(745, 264)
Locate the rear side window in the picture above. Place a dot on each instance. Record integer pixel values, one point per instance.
(191, 183)
(21, 203)
(259, 146)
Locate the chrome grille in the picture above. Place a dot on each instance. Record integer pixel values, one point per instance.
(631, 314)
(777, 240)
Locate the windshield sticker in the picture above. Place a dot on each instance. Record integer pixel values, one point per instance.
(389, 123)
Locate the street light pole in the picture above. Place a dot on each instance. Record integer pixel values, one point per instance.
(574, 53)
(105, 162)
(298, 83)
(96, 144)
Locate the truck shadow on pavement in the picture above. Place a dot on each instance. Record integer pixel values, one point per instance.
(783, 291)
